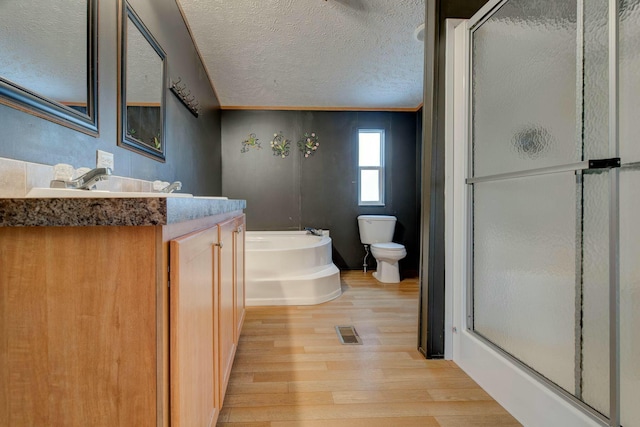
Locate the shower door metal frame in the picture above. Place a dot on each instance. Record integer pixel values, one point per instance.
(614, 218)
(612, 165)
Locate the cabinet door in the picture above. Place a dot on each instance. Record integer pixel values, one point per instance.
(238, 245)
(193, 296)
(226, 303)
(78, 334)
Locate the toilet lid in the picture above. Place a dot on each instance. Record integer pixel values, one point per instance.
(388, 246)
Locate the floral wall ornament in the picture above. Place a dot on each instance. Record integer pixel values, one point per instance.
(280, 145)
(250, 142)
(309, 144)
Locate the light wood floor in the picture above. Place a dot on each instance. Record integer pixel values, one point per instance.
(291, 370)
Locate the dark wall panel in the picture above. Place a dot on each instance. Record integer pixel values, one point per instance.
(321, 191)
(193, 144)
(268, 183)
(435, 281)
(329, 185)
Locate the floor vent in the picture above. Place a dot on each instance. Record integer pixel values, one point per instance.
(348, 335)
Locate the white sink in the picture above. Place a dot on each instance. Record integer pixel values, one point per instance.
(66, 193)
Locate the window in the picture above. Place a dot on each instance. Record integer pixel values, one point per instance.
(371, 167)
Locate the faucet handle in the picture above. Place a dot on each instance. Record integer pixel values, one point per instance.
(159, 185)
(63, 172)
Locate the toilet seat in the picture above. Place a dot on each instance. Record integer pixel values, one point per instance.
(390, 246)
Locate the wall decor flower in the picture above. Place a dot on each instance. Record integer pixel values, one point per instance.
(309, 144)
(280, 145)
(251, 142)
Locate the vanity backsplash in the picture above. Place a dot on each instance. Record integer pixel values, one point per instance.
(18, 177)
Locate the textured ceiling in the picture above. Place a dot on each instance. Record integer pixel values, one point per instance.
(311, 53)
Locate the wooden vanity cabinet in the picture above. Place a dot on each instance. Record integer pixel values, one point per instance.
(206, 314)
(239, 269)
(193, 320)
(118, 325)
(226, 306)
(78, 326)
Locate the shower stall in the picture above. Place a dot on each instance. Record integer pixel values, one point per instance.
(551, 198)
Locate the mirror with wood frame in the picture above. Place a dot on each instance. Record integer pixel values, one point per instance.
(48, 65)
(142, 76)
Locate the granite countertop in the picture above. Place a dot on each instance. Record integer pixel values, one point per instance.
(107, 211)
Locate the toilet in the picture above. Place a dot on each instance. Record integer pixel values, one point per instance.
(376, 232)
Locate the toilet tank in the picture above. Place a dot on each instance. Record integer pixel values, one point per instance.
(376, 228)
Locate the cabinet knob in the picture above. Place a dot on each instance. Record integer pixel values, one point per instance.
(219, 244)
(239, 230)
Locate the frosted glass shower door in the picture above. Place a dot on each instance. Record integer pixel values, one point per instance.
(630, 297)
(524, 270)
(539, 245)
(630, 213)
(554, 196)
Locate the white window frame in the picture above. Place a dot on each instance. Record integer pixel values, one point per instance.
(380, 169)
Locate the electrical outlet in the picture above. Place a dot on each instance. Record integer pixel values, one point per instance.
(104, 159)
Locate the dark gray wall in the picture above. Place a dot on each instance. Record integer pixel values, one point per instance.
(435, 280)
(193, 144)
(321, 191)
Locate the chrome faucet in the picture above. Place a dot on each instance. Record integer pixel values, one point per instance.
(314, 231)
(83, 182)
(176, 185)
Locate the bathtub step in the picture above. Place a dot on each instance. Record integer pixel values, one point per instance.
(314, 287)
(308, 273)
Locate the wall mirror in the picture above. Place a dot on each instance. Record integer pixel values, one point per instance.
(142, 74)
(48, 65)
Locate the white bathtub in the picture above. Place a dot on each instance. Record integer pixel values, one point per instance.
(289, 268)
